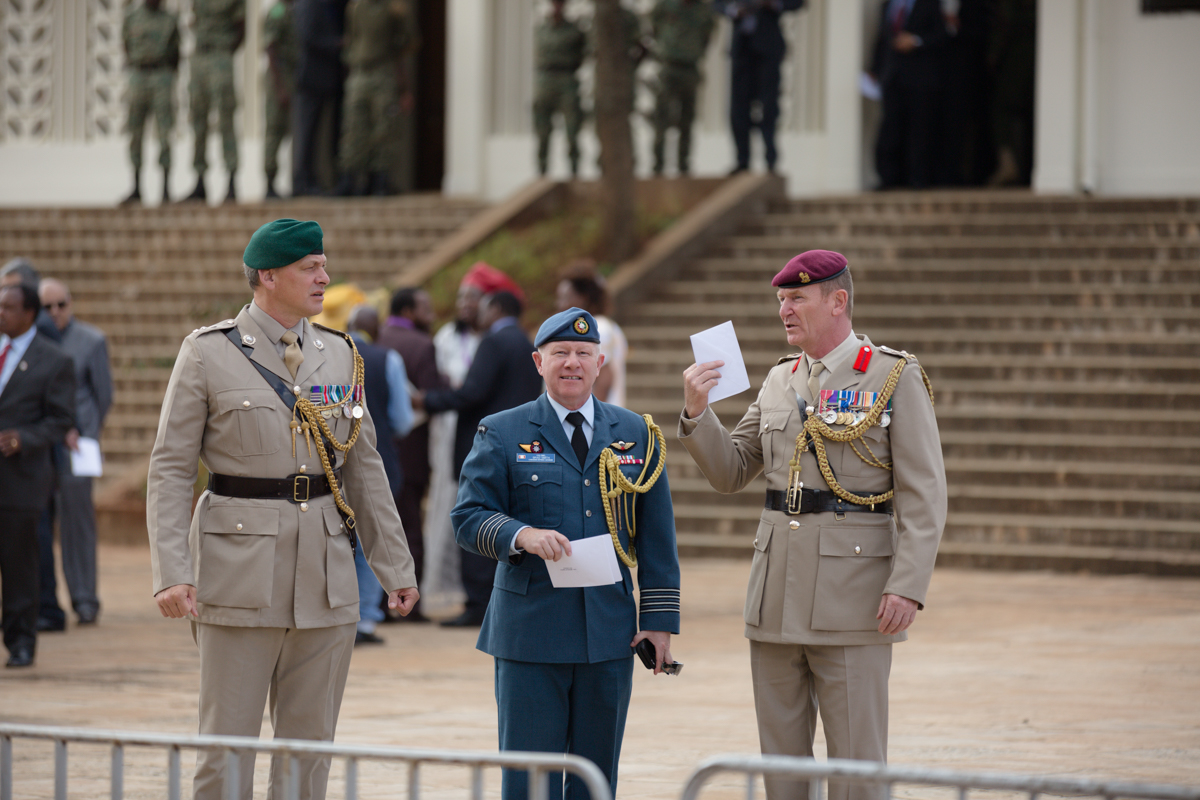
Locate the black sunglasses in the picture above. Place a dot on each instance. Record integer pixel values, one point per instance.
(59, 304)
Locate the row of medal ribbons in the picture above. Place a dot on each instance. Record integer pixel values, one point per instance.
(846, 407)
(347, 398)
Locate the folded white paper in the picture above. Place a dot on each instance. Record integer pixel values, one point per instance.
(721, 344)
(869, 88)
(593, 562)
(85, 462)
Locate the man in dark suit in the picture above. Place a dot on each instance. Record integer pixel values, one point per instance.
(501, 377)
(37, 408)
(320, 79)
(756, 54)
(407, 332)
(908, 63)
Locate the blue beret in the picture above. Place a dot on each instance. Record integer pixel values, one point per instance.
(283, 242)
(811, 266)
(572, 325)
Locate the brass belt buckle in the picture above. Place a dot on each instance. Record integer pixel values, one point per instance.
(795, 500)
(296, 498)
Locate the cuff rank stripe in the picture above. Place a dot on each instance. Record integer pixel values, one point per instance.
(660, 600)
(485, 539)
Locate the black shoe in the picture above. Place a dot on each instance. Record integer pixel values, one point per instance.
(379, 184)
(231, 195)
(366, 638)
(738, 170)
(198, 193)
(88, 616)
(20, 656)
(47, 625)
(271, 193)
(135, 197)
(463, 620)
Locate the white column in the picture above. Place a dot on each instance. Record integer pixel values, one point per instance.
(1059, 99)
(467, 58)
(843, 113)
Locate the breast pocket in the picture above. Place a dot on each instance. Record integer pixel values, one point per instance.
(874, 446)
(252, 422)
(237, 556)
(538, 488)
(777, 446)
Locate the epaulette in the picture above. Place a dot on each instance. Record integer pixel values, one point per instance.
(223, 325)
(334, 331)
(787, 358)
(897, 353)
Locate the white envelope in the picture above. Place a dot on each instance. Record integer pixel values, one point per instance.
(593, 562)
(721, 344)
(86, 462)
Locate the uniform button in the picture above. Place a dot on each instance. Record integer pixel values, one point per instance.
(587, 513)
(587, 482)
(857, 550)
(535, 477)
(246, 403)
(303, 468)
(239, 526)
(304, 506)
(296, 391)
(793, 524)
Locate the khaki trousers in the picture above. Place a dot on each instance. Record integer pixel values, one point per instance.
(301, 672)
(848, 685)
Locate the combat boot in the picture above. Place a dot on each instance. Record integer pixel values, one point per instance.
(198, 193)
(379, 184)
(135, 196)
(271, 193)
(231, 195)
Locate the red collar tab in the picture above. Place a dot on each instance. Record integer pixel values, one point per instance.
(795, 365)
(864, 359)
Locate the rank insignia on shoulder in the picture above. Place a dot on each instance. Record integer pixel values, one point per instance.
(897, 353)
(622, 445)
(482, 429)
(864, 359)
(533, 447)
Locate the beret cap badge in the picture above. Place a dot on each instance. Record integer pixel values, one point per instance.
(581, 326)
(804, 277)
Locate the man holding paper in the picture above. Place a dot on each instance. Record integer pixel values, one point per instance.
(532, 496)
(854, 510)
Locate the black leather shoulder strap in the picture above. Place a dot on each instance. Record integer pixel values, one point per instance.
(282, 389)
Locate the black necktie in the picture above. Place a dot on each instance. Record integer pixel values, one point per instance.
(578, 440)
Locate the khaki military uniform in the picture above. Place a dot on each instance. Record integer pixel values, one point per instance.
(279, 37)
(559, 50)
(275, 580)
(817, 579)
(218, 28)
(151, 40)
(681, 33)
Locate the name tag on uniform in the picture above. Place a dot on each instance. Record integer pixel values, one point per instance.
(540, 458)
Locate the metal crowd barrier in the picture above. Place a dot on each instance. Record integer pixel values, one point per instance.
(886, 777)
(537, 765)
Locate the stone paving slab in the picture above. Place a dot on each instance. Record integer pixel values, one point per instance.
(1036, 672)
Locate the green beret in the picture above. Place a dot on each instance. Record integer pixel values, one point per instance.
(282, 242)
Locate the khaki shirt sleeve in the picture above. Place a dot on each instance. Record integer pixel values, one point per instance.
(728, 460)
(919, 478)
(377, 523)
(173, 469)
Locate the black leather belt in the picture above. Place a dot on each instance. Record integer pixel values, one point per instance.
(294, 488)
(814, 501)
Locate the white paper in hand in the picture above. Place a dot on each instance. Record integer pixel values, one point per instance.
(593, 562)
(85, 462)
(721, 344)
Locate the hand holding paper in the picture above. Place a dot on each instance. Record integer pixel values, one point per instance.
(720, 344)
(593, 562)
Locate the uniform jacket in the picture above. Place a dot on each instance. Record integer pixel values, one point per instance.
(502, 376)
(528, 619)
(88, 348)
(816, 579)
(766, 39)
(263, 563)
(39, 403)
(921, 68)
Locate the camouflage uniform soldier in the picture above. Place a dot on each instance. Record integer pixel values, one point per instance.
(219, 27)
(559, 45)
(681, 30)
(151, 39)
(379, 36)
(279, 38)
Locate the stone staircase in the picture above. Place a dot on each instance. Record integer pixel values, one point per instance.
(148, 276)
(1061, 336)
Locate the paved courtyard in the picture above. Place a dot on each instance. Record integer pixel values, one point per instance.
(1088, 676)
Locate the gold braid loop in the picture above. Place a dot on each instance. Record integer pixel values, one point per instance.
(310, 412)
(816, 431)
(615, 486)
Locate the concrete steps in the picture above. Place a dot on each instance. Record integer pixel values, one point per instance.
(1061, 336)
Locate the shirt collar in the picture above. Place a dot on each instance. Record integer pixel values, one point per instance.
(834, 358)
(20, 343)
(503, 322)
(588, 409)
(271, 326)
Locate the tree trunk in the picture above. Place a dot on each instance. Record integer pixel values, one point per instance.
(613, 103)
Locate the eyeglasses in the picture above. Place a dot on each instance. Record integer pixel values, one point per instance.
(59, 304)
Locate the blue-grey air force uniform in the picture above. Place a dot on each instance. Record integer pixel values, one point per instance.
(563, 661)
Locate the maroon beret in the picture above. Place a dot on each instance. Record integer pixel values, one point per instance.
(812, 266)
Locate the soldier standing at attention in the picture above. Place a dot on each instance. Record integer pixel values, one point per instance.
(681, 30)
(150, 36)
(219, 27)
(855, 506)
(379, 36)
(274, 408)
(279, 38)
(559, 49)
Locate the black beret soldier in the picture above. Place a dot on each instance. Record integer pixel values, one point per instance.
(272, 405)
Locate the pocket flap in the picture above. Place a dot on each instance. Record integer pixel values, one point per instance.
(775, 420)
(245, 399)
(253, 520)
(762, 539)
(334, 525)
(874, 432)
(512, 579)
(860, 542)
(536, 474)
